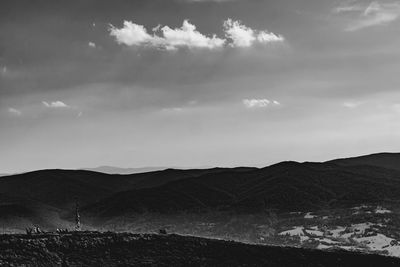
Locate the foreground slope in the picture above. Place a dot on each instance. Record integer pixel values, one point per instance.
(111, 249)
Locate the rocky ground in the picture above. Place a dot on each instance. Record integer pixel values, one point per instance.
(123, 249)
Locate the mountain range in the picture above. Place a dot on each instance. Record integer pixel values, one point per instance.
(48, 196)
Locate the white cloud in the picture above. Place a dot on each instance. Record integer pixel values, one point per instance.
(373, 14)
(173, 109)
(349, 8)
(55, 104)
(156, 28)
(351, 104)
(243, 36)
(188, 36)
(132, 34)
(238, 35)
(91, 44)
(15, 111)
(4, 70)
(259, 103)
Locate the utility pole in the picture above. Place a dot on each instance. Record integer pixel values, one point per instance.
(77, 217)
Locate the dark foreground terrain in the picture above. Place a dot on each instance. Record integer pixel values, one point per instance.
(122, 249)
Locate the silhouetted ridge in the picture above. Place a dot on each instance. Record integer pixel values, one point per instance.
(286, 186)
(384, 160)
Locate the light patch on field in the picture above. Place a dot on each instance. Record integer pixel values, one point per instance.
(337, 232)
(322, 246)
(360, 207)
(315, 232)
(381, 210)
(328, 241)
(381, 242)
(296, 231)
(347, 248)
(309, 216)
(360, 227)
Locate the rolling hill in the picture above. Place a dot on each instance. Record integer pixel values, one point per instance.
(384, 160)
(283, 187)
(287, 186)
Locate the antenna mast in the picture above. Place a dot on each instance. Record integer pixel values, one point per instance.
(77, 217)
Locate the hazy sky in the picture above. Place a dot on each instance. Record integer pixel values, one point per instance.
(195, 82)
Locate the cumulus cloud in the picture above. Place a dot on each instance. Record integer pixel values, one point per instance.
(132, 34)
(373, 14)
(91, 44)
(15, 111)
(55, 104)
(243, 36)
(237, 35)
(259, 103)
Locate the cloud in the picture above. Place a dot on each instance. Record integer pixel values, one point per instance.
(132, 34)
(91, 44)
(373, 14)
(351, 104)
(173, 109)
(55, 104)
(15, 111)
(237, 35)
(258, 103)
(243, 36)
(203, 1)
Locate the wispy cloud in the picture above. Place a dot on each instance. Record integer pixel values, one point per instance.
(368, 15)
(173, 109)
(55, 104)
(237, 35)
(351, 104)
(259, 103)
(92, 44)
(14, 111)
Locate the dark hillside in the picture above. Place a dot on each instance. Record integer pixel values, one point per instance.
(59, 188)
(384, 160)
(287, 186)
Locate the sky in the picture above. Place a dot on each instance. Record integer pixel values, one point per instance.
(194, 83)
